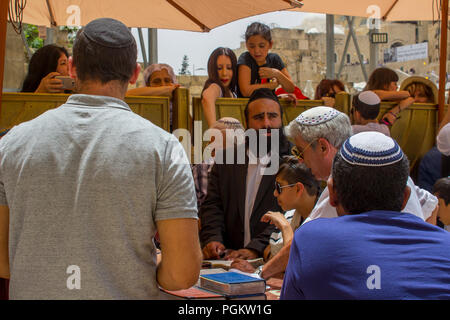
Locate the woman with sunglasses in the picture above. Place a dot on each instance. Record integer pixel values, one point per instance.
(326, 91)
(296, 191)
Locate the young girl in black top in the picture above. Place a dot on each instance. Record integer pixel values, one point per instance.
(257, 68)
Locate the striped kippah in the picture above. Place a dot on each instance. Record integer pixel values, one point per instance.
(372, 149)
(317, 115)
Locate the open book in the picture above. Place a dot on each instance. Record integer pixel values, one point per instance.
(226, 264)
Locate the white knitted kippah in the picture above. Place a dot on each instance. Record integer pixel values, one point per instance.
(369, 98)
(372, 149)
(443, 140)
(317, 115)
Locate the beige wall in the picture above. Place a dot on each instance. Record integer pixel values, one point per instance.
(15, 63)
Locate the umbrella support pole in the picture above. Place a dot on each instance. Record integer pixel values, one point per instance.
(347, 42)
(152, 45)
(330, 47)
(443, 60)
(3, 28)
(141, 41)
(351, 34)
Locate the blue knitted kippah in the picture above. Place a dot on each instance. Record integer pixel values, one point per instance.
(372, 149)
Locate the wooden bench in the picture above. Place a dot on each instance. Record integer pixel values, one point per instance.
(415, 130)
(21, 107)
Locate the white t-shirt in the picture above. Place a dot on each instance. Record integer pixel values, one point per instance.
(276, 241)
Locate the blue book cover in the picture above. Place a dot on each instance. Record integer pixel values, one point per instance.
(232, 283)
(230, 277)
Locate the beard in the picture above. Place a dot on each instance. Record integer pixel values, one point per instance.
(267, 141)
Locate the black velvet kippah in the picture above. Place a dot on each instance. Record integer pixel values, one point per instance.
(109, 33)
(263, 93)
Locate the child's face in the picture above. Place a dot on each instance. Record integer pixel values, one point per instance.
(392, 86)
(444, 212)
(420, 96)
(224, 70)
(258, 47)
(286, 199)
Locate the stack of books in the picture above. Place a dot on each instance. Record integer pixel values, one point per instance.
(223, 286)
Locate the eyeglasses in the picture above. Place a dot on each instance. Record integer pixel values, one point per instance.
(300, 155)
(279, 187)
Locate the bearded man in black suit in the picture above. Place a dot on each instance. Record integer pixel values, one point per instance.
(240, 193)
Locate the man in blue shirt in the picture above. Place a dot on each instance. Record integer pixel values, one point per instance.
(372, 250)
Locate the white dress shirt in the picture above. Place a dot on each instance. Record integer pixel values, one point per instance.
(421, 203)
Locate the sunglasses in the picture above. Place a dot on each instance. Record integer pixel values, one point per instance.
(279, 187)
(300, 155)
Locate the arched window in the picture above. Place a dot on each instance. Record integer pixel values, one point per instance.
(396, 44)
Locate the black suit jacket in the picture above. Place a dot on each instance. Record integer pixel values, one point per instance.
(223, 211)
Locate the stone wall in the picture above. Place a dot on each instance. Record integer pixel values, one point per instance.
(15, 62)
(194, 83)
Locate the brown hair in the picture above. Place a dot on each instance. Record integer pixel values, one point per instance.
(257, 28)
(324, 87)
(423, 88)
(213, 75)
(380, 79)
(104, 64)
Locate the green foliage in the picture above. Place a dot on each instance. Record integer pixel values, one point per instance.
(72, 33)
(31, 33)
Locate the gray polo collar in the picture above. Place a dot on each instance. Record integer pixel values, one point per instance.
(94, 101)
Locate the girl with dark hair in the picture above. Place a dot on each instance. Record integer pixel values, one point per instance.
(383, 81)
(257, 68)
(296, 190)
(327, 89)
(221, 81)
(45, 64)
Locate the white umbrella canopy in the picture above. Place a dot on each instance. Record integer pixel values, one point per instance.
(189, 15)
(389, 10)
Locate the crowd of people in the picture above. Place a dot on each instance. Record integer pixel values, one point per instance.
(92, 185)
